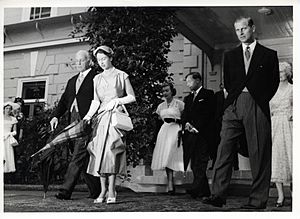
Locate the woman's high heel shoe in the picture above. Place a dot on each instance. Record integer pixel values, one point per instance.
(112, 200)
(279, 204)
(100, 199)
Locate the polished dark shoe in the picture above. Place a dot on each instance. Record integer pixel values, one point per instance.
(171, 192)
(193, 192)
(93, 196)
(214, 201)
(249, 206)
(279, 204)
(63, 196)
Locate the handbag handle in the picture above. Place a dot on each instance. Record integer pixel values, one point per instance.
(124, 108)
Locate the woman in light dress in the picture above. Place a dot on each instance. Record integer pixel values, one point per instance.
(107, 147)
(168, 152)
(10, 130)
(281, 107)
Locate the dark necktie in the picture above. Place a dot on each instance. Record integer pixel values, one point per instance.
(194, 95)
(247, 53)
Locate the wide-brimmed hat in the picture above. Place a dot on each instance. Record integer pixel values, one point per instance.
(104, 48)
(13, 105)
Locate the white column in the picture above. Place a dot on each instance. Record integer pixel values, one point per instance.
(25, 14)
(33, 61)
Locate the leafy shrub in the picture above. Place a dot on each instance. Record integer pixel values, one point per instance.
(36, 132)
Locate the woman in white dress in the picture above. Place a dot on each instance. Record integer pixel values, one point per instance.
(10, 130)
(107, 147)
(281, 107)
(168, 152)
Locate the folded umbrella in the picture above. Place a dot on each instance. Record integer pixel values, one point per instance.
(46, 160)
(46, 164)
(76, 129)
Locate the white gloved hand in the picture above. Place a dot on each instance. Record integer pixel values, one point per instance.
(13, 133)
(87, 119)
(53, 123)
(112, 104)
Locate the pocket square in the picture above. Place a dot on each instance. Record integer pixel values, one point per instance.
(200, 100)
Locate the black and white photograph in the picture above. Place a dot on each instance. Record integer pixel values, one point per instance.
(130, 107)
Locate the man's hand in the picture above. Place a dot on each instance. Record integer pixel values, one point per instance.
(190, 128)
(53, 123)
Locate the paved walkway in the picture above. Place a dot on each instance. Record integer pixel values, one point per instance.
(127, 201)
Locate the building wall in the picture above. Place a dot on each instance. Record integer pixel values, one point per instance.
(17, 15)
(185, 58)
(56, 63)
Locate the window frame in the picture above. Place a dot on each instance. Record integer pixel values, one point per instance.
(39, 13)
(21, 81)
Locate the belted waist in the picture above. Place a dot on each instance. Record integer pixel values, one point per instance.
(280, 113)
(170, 120)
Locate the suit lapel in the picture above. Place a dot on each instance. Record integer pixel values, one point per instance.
(73, 84)
(199, 95)
(240, 59)
(257, 55)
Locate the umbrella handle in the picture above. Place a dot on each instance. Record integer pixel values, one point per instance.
(35, 153)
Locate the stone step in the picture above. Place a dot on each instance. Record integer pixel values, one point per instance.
(143, 179)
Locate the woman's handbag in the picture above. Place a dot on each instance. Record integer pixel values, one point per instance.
(12, 141)
(121, 120)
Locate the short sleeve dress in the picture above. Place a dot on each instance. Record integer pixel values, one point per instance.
(107, 146)
(281, 107)
(167, 152)
(8, 155)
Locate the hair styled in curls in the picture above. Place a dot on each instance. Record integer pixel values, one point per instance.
(287, 68)
(171, 86)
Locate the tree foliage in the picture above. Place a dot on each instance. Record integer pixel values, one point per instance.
(141, 39)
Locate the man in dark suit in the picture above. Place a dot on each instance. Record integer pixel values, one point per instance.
(76, 101)
(196, 118)
(251, 78)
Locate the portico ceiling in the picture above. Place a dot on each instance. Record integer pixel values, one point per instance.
(212, 28)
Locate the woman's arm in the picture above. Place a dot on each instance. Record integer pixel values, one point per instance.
(95, 102)
(14, 129)
(130, 97)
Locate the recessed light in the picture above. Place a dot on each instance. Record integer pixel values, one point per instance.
(265, 11)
